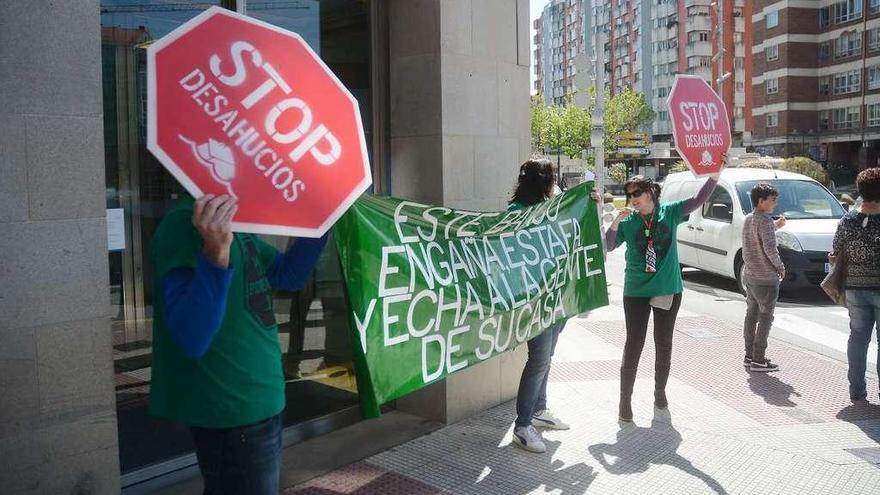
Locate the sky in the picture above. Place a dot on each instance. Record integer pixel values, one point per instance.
(536, 6)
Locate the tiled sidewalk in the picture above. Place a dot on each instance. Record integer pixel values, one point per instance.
(726, 431)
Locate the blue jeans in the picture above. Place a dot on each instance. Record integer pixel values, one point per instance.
(864, 315)
(241, 460)
(532, 395)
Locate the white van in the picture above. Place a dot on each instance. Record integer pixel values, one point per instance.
(711, 238)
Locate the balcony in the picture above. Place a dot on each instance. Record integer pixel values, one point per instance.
(698, 23)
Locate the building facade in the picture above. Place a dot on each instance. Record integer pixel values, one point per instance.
(76, 307)
(652, 42)
(816, 89)
(558, 39)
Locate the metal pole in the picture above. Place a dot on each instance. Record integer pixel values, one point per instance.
(597, 139)
(720, 20)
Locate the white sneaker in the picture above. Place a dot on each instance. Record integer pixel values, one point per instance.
(546, 419)
(529, 438)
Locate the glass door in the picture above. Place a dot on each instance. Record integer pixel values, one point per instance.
(314, 333)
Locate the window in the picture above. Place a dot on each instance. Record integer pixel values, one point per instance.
(874, 77)
(662, 92)
(738, 63)
(719, 207)
(873, 111)
(824, 50)
(824, 85)
(874, 6)
(824, 120)
(847, 10)
(797, 199)
(874, 38)
(772, 52)
(663, 115)
(772, 19)
(740, 87)
(848, 44)
(824, 17)
(772, 86)
(845, 118)
(847, 82)
(772, 119)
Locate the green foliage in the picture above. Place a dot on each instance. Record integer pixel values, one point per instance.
(754, 163)
(679, 166)
(566, 128)
(625, 112)
(617, 172)
(805, 166)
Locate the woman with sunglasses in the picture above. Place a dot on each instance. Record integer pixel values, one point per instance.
(652, 278)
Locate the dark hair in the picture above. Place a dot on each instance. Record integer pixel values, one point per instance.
(645, 185)
(535, 182)
(868, 184)
(762, 191)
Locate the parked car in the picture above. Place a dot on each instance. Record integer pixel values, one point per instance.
(711, 238)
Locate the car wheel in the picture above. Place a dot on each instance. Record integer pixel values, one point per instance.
(738, 270)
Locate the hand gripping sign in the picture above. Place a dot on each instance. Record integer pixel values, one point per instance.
(700, 125)
(237, 106)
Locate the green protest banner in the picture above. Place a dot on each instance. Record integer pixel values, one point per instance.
(434, 290)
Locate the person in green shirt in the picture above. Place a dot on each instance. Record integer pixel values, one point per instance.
(652, 278)
(216, 357)
(535, 184)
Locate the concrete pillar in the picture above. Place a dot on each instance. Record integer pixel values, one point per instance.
(459, 76)
(57, 414)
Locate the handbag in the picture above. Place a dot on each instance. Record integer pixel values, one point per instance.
(833, 282)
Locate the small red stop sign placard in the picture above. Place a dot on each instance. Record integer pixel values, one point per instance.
(700, 124)
(238, 106)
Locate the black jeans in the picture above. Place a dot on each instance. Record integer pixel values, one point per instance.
(636, 311)
(244, 460)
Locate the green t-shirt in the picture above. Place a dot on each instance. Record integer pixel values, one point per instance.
(667, 279)
(238, 381)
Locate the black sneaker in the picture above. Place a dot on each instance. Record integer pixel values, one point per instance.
(859, 398)
(763, 366)
(747, 361)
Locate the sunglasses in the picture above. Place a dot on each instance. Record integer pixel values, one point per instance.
(634, 194)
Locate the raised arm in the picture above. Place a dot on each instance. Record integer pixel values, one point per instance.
(611, 240)
(702, 195)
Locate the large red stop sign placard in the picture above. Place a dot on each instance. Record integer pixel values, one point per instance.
(700, 124)
(238, 106)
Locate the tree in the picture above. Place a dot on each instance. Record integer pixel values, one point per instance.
(538, 121)
(618, 173)
(566, 129)
(805, 166)
(625, 112)
(679, 166)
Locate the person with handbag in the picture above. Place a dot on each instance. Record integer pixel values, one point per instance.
(762, 273)
(857, 246)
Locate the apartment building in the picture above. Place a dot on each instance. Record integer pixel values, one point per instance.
(816, 89)
(559, 37)
(647, 43)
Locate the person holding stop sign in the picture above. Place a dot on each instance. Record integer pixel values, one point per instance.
(216, 358)
(652, 279)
